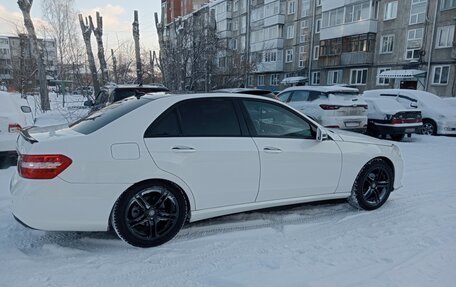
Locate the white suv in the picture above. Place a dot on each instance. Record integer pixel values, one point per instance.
(331, 106)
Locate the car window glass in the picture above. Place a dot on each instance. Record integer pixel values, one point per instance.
(209, 117)
(313, 95)
(299, 96)
(270, 120)
(284, 97)
(26, 109)
(101, 98)
(164, 126)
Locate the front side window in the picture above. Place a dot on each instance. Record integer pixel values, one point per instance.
(271, 120)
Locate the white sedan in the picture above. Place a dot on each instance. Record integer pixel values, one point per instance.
(146, 166)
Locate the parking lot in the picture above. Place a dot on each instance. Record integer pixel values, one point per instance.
(408, 242)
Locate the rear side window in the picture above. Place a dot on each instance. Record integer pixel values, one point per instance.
(197, 118)
(299, 96)
(209, 117)
(103, 117)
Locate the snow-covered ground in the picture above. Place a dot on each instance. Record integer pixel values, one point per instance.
(408, 242)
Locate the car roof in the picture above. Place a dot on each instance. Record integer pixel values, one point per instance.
(325, 89)
(241, 90)
(153, 96)
(402, 91)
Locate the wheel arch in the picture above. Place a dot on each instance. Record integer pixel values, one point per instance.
(388, 162)
(161, 181)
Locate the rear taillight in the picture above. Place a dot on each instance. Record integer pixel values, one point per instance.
(14, 128)
(330, 107)
(45, 166)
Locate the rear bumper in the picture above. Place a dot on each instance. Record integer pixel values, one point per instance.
(391, 129)
(55, 205)
(351, 123)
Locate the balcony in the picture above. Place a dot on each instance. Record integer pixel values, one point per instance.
(267, 45)
(274, 20)
(269, 67)
(356, 58)
(225, 34)
(350, 29)
(329, 61)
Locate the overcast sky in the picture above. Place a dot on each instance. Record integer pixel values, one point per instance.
(117, 18)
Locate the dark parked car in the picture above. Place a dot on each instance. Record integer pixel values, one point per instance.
(111, 94)
(249, 91)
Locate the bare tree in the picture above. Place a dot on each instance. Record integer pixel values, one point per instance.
(114, 66)
(26, 6)
(98, 32)
(137, 48)
(86, 33)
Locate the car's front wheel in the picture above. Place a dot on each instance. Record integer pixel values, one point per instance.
(429, 128)
(149, 215)
(373, 185)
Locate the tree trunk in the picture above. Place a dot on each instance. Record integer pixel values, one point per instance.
(139, 73)
(98, 32)
(114, 66)
(86, 33)
(26, 6)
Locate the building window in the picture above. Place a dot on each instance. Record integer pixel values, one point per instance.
(358, 77)
(418, 11)
(387, 44)
(251, 80)
(447, 4)
(304, 35)
(334, 77)
(359, 43)
(290, 32)
(232, 44)
(270, 56)
(271, 9)
(382, 81)
(390, 10)
(291, 7)
(318, 3)
(289, 56)
(275, 78)
(261, 80)
(318, 26)
(222, 62)
(357, 12)
(302, 56)
(414, 43)
(305, 8)
(316, 52)
(445, 36)
(440, 75)
(235, 5)
(333, 18)
(315, 78)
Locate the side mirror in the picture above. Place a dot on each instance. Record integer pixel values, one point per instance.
(88, 103)
(322, 135)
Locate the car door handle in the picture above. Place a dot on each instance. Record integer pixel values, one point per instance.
(183, 149)
(271, 149)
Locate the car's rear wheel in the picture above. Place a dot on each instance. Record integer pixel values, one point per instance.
(397, 137)
(149, 215)
(429, 128)
(373, 185)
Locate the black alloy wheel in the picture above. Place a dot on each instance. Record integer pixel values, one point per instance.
(149, 215)
(373, 185)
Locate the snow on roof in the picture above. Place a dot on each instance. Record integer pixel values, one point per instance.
(402, 74)
(293, 80)
(324, 89)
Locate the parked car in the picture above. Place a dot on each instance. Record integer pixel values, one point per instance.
(438, 116)
(386, 116)
(331, 106)
(114, 93)
(248, 91)
(188, 158)
(15, 113)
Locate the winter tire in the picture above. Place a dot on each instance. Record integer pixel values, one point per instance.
(429, 128)
(372, 186)
(149, 215)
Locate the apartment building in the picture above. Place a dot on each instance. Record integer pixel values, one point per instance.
(363, 43)
(17, 66)
(172, 9)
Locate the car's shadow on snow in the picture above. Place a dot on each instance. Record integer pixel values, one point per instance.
(33, 242)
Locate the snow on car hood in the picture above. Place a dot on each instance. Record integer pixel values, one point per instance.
(348, 136)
